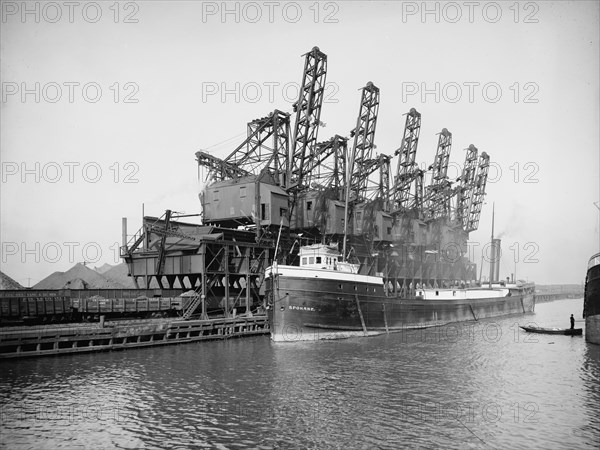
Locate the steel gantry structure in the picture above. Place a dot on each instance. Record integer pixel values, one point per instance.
(478, 192)
(280, 177)
(308, 119)
(255, 154)
(407, 192)
(361, 164)
(317, 173)
(436, 201)
(466, 186)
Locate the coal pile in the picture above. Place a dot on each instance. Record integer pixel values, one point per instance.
(7, 283)
(78, 277)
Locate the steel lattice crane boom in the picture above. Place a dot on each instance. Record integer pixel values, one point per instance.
(219, 169)
(436, 199)
(384, 181)
(407, 172)
(267, 147)
(328, 166)
(478, 193)
(328, 176)
(364, 136)
(466, 187)
(308, 116)
(264, 149)
(379, 187)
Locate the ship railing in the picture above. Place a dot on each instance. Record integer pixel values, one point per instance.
(134, 241)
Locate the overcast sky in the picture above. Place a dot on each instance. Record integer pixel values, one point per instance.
(105, 104)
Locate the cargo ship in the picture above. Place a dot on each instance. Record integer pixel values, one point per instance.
(591, 302)
(326, 298)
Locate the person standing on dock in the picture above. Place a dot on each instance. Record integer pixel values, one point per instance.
(572, 322)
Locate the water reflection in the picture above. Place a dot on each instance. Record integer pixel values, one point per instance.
(468, 385)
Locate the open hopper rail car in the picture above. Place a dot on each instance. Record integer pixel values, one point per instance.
(72, 305)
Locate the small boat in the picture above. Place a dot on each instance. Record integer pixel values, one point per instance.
(565, 331)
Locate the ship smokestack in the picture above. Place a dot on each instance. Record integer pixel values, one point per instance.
(124, 231)
(495, 262)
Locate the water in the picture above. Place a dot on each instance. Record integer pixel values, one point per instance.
(484, 384)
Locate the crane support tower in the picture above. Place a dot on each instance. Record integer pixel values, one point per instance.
(466, 187)
(437, 196)
(308, 119)
(404, 197)
(364, 142)
(478, 192)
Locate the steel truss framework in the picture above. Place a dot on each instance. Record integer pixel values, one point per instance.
(361, 163)
(436, 201)
(256, 154)
(466, 187)
(403, 266)
(328, 166)
(288, 158)
(478, 192)
(226, 275)
(308, 117)
(229, 272)
(404, 197)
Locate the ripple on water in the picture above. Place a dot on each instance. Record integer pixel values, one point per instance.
(477, 385)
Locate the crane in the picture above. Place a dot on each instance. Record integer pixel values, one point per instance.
(478, 192)
(465, 189)
(308, 116)
(269, 147)
(407, 172)
(435, 201)
(363, 145)
(255, 155)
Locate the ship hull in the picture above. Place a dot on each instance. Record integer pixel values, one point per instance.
(591, 308)
(312, 309)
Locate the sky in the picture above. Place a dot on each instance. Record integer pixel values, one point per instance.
(104, 105)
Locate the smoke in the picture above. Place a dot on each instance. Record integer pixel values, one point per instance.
(512, 222)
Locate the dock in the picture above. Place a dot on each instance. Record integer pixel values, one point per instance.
(552, 296)
(19, 342)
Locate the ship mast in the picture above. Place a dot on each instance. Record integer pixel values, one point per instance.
(492, 242)
(349, 165)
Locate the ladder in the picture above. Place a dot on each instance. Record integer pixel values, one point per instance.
(191, 307)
